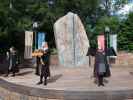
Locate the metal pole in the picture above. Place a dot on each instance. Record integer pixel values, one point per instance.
(105, 34)
(106, 46)
(35, 25)
(89, 60)
(106, 39)
(35, 39)
(10, 4)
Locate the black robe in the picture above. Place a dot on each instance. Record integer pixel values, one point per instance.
(45, 70)
(101, 66)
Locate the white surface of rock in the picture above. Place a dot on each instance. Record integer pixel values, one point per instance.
(71, 41)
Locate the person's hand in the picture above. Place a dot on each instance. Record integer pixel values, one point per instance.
(42, 62)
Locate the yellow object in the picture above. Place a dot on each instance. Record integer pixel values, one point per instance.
(35, 54)
(38, 53)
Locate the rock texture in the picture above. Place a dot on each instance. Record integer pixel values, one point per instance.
(71, 41)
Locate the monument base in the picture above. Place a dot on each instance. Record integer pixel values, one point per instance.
(68, 84)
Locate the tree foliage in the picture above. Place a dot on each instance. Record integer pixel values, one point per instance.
(16, 16)
(111, 22)
(125, 36)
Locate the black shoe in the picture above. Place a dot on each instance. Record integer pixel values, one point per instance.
(99, 85)
(45, 82)
(13, 75)
(39, 83)
(6, 75)
(102, 84)
(37, 74)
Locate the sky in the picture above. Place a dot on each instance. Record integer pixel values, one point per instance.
(127, 8)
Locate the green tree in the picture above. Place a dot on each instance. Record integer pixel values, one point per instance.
(111, 22)
(19, 17)
(102, 17)
(125, 36)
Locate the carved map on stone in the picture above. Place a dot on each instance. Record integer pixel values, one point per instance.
(71, 41)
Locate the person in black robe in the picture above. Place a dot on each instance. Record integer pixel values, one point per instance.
(101, 67)
(45, 70)
(12, 59)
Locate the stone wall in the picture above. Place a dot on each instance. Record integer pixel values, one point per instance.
(54, 60)
(123, 59)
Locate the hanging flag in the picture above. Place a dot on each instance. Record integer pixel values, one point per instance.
(113, 45)
(28, 44)
(41, 39)
(113, 41)
(101, 42)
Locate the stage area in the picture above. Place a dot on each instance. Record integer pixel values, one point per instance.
(77, 82)
(80, 78)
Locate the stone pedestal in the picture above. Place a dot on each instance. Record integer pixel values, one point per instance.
(71, 41)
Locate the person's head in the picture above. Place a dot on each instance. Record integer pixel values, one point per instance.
(12, 48)
(44, 45)
(100, 50)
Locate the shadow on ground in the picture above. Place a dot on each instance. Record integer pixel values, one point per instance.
(24, 73)
(23, 65)
(54, 78)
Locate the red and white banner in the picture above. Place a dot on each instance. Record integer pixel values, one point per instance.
(101, 42)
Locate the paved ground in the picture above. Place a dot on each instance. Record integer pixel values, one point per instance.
(77, 79)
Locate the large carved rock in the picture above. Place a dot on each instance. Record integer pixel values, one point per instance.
(71, 41)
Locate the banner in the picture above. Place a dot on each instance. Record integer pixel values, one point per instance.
(28, 44)
(113, 41)
(101, 42)
(41, 39)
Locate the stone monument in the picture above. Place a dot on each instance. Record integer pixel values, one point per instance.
(71, 41)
